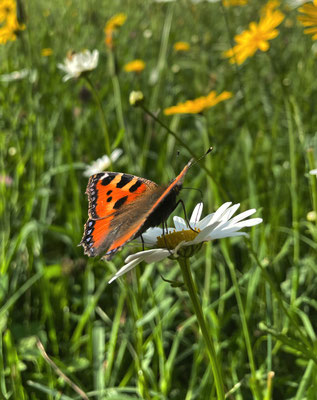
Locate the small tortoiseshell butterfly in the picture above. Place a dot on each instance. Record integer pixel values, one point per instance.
(122, 207)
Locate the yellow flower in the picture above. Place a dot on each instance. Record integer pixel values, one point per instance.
(271, 5)
(9, 30)
(181, 46)
(9, 22)
(7, 8)
(46, 52)
(6, 35)
(198, 105)
(134, 66)
(257, 36)
(114, 22)
(310, 19)
(228, 3)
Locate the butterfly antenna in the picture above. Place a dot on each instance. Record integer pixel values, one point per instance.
(193, 161)
(190, 188)
(180, 201)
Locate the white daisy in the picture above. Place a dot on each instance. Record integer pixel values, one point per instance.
(18, 75)
(77, 63)
(214, 226)
(313, 172)
(102, 163)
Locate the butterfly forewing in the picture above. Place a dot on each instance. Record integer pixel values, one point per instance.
(116, 202)
(122, 207)
(108, 191)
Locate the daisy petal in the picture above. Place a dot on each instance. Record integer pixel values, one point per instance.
(219, 213)
(204, 222)
(243, 215)
(224, 234)
(137, 255)
(203, 235)
(157, 255)
(231, 210)
(146, 255)
(179, 223)
(125, 269)
(248, 223)
(195, 217)
(151, 235)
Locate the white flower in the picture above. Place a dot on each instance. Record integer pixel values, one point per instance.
(296, 3)
(77, 63)
(18, 75)
(102, 163)
(214, 226)
(313, 172)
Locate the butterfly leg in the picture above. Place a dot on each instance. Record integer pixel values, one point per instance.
(165, 232)
(180, 201)
(142, 240)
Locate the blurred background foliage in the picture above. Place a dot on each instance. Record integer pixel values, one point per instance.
(137, 338)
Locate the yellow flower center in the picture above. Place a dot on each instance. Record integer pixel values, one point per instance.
(173, 239)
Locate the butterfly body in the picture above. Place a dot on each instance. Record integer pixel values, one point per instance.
(122, 207)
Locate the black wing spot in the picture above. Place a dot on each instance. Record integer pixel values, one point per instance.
(109, 192)
(120, 202)
(109, 199)
(125, 179)
(134, 187)
(107, 180)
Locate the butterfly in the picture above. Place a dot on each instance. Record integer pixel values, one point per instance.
(121, 207)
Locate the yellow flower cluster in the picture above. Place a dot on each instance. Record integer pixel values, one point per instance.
(271, 5)
(46, 52)
(134, 66)
(309, 20)
(181, 46)
(198, 105)
(257, 36)
(114, 22)
(228, 3)
(9, 24)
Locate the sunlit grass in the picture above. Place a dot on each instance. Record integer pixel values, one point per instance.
(138, 338)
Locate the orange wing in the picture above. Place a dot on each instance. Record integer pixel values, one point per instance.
(108, 191)
(111, 197)
(122, 207)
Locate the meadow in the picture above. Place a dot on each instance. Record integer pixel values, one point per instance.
(65, 333)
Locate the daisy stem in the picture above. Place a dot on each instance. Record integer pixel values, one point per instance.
(189, 282)
(102, 117)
